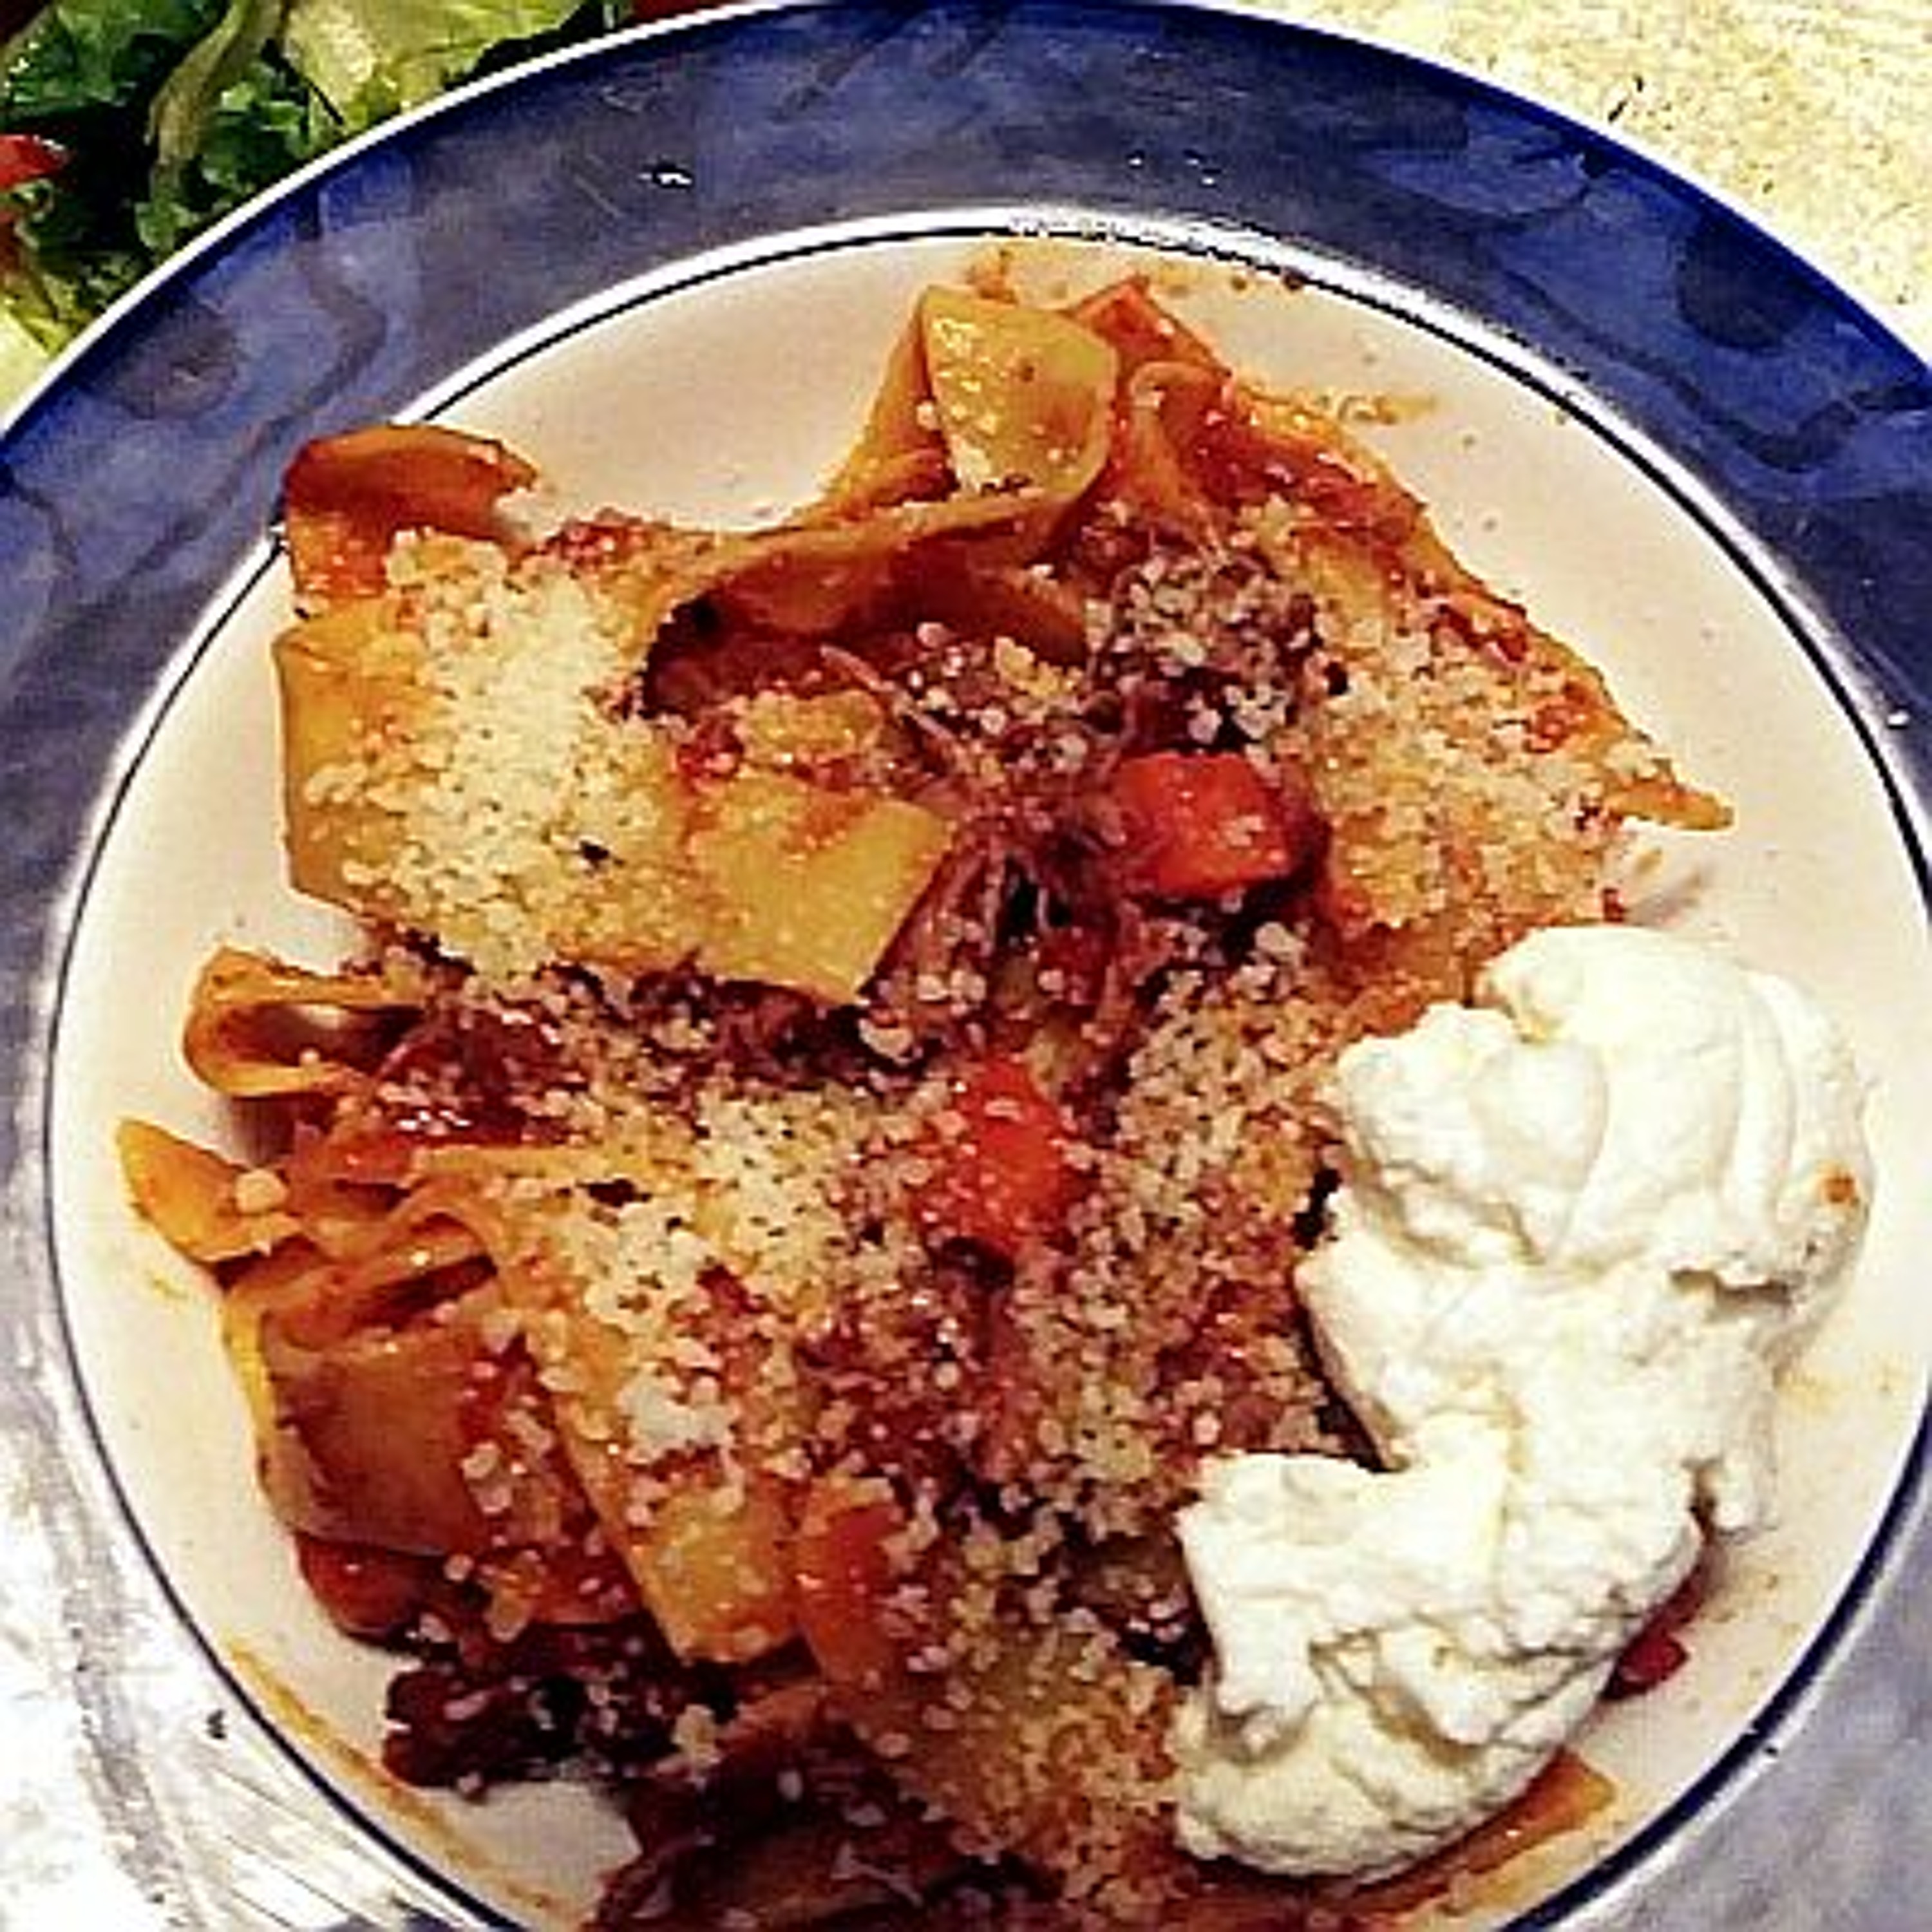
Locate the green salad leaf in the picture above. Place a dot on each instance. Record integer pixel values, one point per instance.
(230, 119)
(186, 101)
(75, 57)
(168, 113)
(370, 58)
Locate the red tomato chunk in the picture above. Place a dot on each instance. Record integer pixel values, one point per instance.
(1657, 1652)
(998, 1154)
(1200, 824)
(26, 158)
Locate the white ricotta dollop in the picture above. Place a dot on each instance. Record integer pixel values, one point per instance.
(1580, 1226)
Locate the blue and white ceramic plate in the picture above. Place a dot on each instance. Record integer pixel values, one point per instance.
(667, 267)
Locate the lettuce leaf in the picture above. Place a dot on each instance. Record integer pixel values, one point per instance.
(75, 57)
(174, 112)
(370, 58)
(186, 101)
(238, 131)
(66, 259)
(20, 356)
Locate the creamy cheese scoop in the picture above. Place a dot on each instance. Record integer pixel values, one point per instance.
(1582, 1224)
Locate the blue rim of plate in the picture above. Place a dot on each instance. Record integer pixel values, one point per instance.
(135, 484)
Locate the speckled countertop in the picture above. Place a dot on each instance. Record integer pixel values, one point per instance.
(1812, 116)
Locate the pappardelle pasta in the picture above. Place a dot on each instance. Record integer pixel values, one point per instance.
(811, 1158)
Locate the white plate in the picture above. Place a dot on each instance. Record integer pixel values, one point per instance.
(671, 398)
(1691, 459)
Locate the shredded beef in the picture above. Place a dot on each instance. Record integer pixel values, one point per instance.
(478, 1711)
